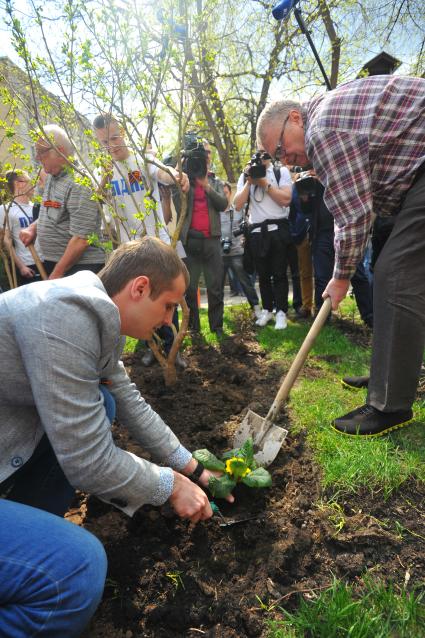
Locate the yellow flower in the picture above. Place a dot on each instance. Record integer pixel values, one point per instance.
(236, 467)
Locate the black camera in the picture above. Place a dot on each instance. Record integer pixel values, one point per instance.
(226, 244)
(194, 157)
(242, 230)
(256, 168)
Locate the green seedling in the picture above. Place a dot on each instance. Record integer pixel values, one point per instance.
(237, 466)
(176, 579)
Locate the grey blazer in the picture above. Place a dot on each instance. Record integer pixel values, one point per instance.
(57, 340)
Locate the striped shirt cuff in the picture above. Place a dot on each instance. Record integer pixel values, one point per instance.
(165, 486)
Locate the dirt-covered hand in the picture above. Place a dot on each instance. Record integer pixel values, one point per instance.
(188, 500)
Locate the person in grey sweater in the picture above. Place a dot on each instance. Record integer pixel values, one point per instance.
(61, 381)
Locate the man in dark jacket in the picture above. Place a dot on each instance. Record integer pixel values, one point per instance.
(200, 235)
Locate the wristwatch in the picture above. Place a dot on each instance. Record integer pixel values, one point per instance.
(196, 474)
(268, 187)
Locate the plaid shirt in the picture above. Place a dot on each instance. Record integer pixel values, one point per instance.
(366, 140)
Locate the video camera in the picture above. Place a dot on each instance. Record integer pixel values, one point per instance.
(305, 184)
(256, 168)
(194, 157)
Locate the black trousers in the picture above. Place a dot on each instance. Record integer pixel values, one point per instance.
(399, 308)
(271, 270)
(210, 262)
(323, 263)
(49, 266)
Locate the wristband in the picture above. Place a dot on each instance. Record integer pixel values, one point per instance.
(196, 474)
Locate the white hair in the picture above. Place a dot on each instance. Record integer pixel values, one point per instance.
(53, 132)
(275, 111)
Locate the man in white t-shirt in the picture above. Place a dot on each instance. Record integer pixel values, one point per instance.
(13, 218)
(135, 200)
(268, 198)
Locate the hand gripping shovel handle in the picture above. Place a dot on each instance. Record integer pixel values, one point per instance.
(37, 261)
(297, 364)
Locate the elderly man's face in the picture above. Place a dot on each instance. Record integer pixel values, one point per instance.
(51, 159)
(112, 139)
(286, 139)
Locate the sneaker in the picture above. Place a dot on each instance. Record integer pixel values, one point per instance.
(257, 311)
(368, 421)
(181, 362)
(355, 383)
(281, 322)
(303, 313)
(148, 358)
(264, 318)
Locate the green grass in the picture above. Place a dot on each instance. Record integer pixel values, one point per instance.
(348, 463)
(339, 612)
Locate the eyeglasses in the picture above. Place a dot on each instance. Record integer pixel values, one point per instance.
(280, 149)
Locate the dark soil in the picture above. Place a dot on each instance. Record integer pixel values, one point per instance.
(169, 579)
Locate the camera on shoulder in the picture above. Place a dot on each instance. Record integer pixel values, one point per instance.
(305, 184)
(194, 157)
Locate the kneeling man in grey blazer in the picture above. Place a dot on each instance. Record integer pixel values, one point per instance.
(60, 342)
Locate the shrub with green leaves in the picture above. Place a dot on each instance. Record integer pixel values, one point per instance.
(238, 466)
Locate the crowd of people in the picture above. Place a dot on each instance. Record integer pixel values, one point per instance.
(362, 148)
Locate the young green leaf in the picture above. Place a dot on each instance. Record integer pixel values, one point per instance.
(247, 451)
(208, 460)
(221, 487)
(258, 478)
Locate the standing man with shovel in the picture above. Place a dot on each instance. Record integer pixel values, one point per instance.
(366, 142)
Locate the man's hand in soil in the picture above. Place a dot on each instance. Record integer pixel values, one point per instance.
(188, 500)
(204, 479)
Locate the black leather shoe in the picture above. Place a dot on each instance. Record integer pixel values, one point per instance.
(148, 358)
(368, 421)
(355, 383)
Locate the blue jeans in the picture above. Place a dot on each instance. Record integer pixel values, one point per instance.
(52, 574)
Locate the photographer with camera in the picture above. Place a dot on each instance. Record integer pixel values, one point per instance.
(201, 232)
(232, 237)
(268, 196)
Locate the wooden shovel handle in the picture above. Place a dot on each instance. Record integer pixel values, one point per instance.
(37, 261)
(299, 360)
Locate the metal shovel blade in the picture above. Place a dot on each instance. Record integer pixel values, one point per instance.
(268, 437)
(257, 426)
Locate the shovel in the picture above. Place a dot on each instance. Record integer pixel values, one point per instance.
(266, 436)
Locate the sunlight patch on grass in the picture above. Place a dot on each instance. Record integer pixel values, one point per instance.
(382, 611)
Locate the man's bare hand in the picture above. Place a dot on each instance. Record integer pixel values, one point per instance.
(203, 181)
(27, 272)
(337, 290)
(204, 480)
(183, 180)
(28, 235)
(188, 500)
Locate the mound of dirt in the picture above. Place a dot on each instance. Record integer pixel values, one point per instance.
(170, 579)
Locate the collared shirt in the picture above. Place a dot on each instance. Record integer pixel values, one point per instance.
(68, 210)
(366, 140)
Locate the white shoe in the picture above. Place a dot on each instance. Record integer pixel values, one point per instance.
(264, 318)
(257, 311)
(281, 322)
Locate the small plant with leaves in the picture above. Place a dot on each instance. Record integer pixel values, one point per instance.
(237, 466)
